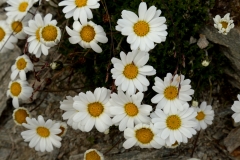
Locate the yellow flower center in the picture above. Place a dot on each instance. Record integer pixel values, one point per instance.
(92, 156)
(200, 116)
(130, 71)
(15, 88)
(43, 132)
(81, 3)
(49, 33)
(38, 34)
(62, 131)
(171, 92)
(224, 24)
(144, 135)
(95, 109)
(20, 116)
(23, 6)
(173, 122)
(2, 34)
(141, 28)
(21, 64)
(87, 33)
(131, 109)
(17, 26)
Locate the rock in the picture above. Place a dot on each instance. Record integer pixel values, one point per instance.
(6, 61)
(230, 45)
(232, 141)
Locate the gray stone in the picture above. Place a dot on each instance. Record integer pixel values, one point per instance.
(229, 45)
(6, 60)
(232, 141)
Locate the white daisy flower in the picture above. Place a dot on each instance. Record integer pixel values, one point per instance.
(130, 72)
(128, 110)
(42, 135)
(16, 26)
(93, 109)
(87, 35)
(144, 136)
(204, 116)
(143, 30)
(177, 127)
(19, 89)
(63, 127)
(7, 41)
(93, 154)
(18, 8)
(67, 105)
(35, 45)
(172, 93)
(50, 34)
(236, 108)
(20, 114)
(224, 25)
(22, 65)
(79, 9)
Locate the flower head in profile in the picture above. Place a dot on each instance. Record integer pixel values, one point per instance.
(93, 154)
(79, 9)
(224, 25)
(131, 70)
(128, 110)
(19, 115)
(7, 40)
(87, 35)
(173, 92)
(93, 109)
(22, 65)
(19, 89)
(175, 126)
(18, 8)
(143, 30)
(205, 115)
(42, 135)
(236, 108)
(144, 136)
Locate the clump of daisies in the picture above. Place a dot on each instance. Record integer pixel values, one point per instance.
(236, 108)
(205, 115)
(144, 30)
(224, 25)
